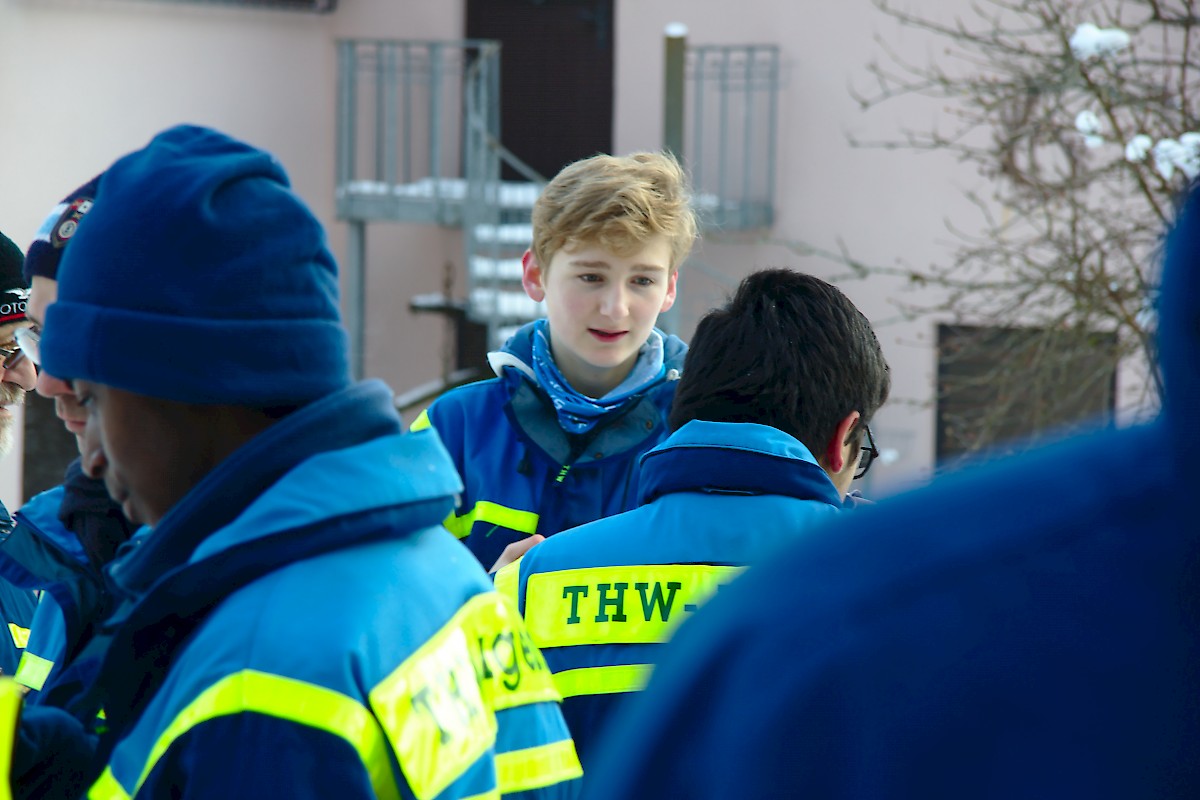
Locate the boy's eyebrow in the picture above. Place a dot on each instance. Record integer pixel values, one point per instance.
(605, 265)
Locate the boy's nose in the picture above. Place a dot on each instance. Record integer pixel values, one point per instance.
(615, 304)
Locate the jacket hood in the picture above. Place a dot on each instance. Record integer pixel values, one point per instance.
(734, 458)
(338, 442)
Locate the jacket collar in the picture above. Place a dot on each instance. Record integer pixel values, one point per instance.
(515, 359)
(351, 418)
(734, 458)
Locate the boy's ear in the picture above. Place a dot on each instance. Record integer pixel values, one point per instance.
(531, 277)
(837, 451)
(669, 300)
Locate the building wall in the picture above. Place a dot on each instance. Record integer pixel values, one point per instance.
(84, 81)
(887, 207)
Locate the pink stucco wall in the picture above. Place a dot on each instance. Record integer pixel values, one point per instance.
(84, 81)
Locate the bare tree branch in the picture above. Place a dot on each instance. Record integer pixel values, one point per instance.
(1085, 144)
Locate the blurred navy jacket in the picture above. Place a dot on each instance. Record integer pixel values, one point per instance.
(1030, 629)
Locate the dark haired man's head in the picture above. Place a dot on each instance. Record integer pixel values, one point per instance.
(790, 351)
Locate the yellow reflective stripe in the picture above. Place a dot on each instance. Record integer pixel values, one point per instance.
(495, 514)
(617, 605)
(459, 526)
(33, 670)
(284, 698)
(107, 788)
(508, 582)
(494, 794)
(535, 767)
(20, 636)
(438, 707)
(602, 680)
(12, 695)
(421, 422)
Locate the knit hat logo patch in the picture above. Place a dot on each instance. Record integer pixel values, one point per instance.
(58, 228)
(13, 308)
(68, 222)
(14, 289)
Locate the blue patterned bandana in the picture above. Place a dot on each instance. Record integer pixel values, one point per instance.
(578, 413)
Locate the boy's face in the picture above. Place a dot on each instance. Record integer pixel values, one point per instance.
(601, 308)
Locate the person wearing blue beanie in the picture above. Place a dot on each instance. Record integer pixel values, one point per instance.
(293, 620)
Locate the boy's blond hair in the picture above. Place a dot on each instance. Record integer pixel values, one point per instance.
(617, 203)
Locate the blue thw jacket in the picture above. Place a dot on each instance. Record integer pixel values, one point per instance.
(522, 473)
(43, 552)
(601, 599)
(1030, 628)
(299, 625)
(17, 608)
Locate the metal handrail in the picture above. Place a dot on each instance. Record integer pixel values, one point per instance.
(484, 156)
(425, 392)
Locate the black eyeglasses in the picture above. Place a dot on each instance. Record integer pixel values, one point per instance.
(29, 340)
(867, 453)
(12, 354)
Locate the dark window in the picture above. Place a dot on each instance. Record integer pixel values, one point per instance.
(1000, 387)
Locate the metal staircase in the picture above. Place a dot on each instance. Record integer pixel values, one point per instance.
(418, 141)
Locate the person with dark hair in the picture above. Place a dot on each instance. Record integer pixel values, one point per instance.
(294, 621)
(1029, 628)
(770, 426)
(65, 535)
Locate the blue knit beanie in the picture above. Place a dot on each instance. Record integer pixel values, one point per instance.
(198, 276)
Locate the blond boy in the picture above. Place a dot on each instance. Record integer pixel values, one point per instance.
(554, 440)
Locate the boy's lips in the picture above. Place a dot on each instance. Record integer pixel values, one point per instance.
(606, 336)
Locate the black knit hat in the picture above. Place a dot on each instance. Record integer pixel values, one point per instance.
(14, 291)
(58, 228)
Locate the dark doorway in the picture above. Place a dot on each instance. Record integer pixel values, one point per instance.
(49, 448)
(556, 74)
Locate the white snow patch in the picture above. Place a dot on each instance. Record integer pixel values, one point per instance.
(1089, 41)
(1138, 148)
(1182, 154)
(1086, 122)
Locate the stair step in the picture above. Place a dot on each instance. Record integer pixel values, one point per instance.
(517, 233)
(503, 304)
(508, 269)
(511, 194)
